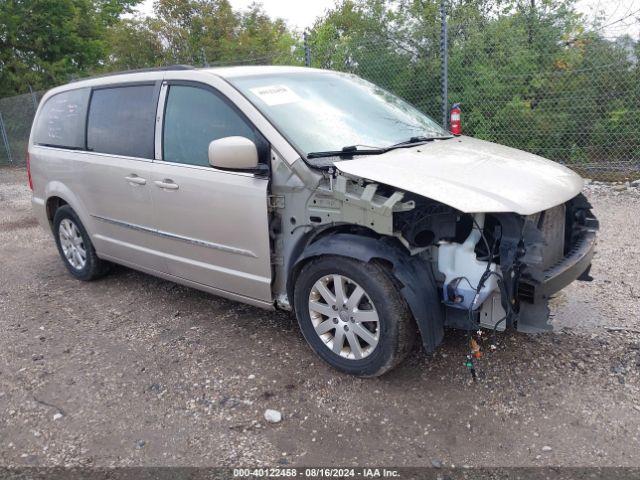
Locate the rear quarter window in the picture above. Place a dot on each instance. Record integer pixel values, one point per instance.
(122, 120)
(60, 122)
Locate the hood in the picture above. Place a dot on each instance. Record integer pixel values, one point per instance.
(471, 175)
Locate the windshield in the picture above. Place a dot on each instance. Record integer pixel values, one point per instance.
(325, 111)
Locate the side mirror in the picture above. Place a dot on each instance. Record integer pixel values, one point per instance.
(234, 153)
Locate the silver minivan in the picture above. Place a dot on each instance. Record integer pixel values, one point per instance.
(311, 191)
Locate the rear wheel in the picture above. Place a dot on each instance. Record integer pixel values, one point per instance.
(352, 315)
(75, 247)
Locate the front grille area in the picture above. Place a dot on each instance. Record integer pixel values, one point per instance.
(552, 224)
(563, 254)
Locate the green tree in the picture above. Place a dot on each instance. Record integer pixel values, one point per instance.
(44, 42)
(133, 44)
(261, 39)
(195, 31)
(200, 32)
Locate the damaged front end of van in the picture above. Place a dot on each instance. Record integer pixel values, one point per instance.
(499, 270)
(475, 234)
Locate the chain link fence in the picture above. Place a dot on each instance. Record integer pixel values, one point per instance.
(16, 115)
(566, 93)
(572, 96)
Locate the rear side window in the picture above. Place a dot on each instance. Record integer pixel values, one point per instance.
(61, 120)
(122, 121)
(193, 118)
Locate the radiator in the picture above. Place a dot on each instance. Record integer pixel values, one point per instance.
(552, 224)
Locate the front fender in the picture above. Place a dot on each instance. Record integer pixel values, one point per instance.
(418, 286)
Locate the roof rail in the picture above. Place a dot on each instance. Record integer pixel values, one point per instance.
(138, 70)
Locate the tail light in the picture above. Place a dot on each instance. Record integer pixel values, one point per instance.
(455, 120)
(29, 170)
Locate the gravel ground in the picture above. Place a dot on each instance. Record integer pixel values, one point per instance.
(133, 370)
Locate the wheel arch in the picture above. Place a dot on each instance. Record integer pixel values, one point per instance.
(414, 276)
(52, 204)
(58, 194)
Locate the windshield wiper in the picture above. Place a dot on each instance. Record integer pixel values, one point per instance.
(347, 152)
(416, 139)
(354, 150)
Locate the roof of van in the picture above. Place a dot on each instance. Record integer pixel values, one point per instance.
(225, 72)
(245, 71)
(153, 74)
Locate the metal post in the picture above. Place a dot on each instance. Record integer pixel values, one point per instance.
(444, 63)
(33, 99)
(5, 139)
(204, 58)
(307, 50)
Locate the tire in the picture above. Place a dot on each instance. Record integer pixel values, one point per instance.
(384, 344)
(75, 247)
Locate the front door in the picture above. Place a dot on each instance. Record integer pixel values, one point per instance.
(212, 224)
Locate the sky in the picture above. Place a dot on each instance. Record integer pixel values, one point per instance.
(300, 14)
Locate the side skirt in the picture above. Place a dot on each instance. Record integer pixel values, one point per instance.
(188, 283)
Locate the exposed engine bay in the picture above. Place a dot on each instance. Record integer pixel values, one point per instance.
(493, 269)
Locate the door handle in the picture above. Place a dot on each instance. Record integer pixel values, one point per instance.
(167, 184)
(135, 179)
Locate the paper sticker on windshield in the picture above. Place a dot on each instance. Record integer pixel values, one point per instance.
(276, 94)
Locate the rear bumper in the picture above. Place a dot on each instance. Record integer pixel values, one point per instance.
(576, 263)
(40, 212)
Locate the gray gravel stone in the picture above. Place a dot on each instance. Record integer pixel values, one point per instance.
(99, 368)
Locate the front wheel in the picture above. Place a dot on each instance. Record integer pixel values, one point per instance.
(352, 315)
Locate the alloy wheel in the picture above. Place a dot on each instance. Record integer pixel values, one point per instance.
(344, 317)
(72, 244)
